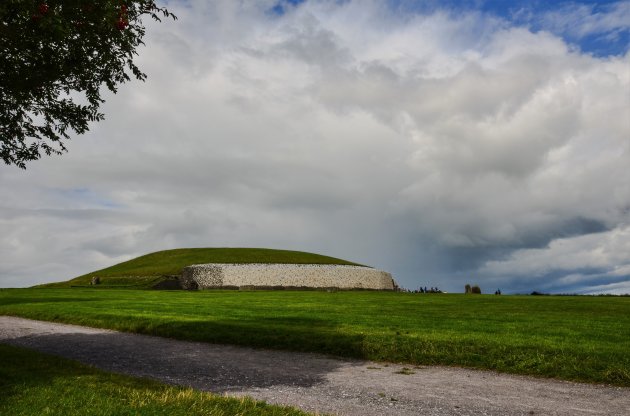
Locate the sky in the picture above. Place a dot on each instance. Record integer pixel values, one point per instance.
(447, 142)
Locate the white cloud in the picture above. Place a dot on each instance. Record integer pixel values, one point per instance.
(607, 251)
(580, 20)
(619, 288)
(429, 145)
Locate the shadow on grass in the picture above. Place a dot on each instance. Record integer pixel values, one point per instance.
(216, 368)
(279, 333)
(21, 369)
(6, 301)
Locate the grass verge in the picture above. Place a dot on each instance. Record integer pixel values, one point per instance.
(572, 338)
(38, 384)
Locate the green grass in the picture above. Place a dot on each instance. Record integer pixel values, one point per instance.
(566, 337)
(37, 384)
(171, 262)
(113, 282)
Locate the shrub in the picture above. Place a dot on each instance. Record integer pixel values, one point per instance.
(476, 290)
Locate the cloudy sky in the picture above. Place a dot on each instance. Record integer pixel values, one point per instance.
(447, 142)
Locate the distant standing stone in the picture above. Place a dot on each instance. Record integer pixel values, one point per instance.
(96, 280)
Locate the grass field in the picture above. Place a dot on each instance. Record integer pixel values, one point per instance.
(38, 384)
(567, 337)
(146, 270)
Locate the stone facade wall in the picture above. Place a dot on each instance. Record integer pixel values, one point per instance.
(201, 276)
(285, 275)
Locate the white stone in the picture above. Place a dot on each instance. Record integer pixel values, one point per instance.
(216, 275)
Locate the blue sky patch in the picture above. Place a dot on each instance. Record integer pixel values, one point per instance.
(85, 197)
(601, 28)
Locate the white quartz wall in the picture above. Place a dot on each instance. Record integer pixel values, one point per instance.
(286, 275)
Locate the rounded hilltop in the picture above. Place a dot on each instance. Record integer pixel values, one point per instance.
(164, 269)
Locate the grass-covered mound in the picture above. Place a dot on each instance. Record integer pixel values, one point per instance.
(151, 269)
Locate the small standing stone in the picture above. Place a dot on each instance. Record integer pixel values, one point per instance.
(96, 280)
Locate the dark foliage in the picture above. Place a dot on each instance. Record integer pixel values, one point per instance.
(55, 57)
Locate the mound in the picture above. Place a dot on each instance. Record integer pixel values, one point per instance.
(151, 269)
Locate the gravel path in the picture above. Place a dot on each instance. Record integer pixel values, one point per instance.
(315, 382)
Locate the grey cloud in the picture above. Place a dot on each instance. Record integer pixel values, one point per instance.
(308, 42)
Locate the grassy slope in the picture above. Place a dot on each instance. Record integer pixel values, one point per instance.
(32, 384)
(171, 262)
(573, 338)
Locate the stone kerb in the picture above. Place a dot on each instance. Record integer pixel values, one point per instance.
(202, 275)
(285, 275)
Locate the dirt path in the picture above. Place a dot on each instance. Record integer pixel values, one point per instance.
(316, 382)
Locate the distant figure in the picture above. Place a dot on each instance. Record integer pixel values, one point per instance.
(421, 290)
(498, 291)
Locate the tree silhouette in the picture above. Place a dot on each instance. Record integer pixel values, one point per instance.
(55, 56)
